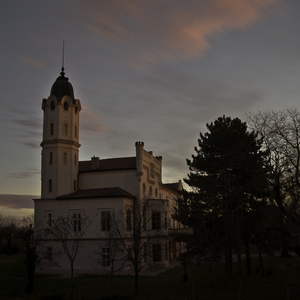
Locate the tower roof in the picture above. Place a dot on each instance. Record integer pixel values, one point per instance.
(62, 87)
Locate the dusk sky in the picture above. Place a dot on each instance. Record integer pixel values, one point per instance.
(152, 71)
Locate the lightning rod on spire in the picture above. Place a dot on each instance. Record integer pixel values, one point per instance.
(63, 55)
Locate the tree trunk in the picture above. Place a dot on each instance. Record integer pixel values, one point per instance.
(238, 243)
(136, 281)
(248, 257)
(30, 281)
(72, 282)
(261, 260)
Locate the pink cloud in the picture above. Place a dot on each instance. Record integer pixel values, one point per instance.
(168, 30)
(17, 201)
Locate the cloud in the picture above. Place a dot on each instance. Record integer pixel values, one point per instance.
(33, 62)
(32, 144)
(158, 30)
(17, 201)
(90, 123)
(32, 123)
(29, 173)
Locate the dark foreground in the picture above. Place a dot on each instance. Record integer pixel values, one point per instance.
(281, 283)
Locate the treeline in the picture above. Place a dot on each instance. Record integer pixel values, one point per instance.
(12, 233)
(242, 192)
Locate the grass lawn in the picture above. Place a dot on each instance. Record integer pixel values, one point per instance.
(282, 283)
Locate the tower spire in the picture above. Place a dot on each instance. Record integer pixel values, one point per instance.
(63, 60)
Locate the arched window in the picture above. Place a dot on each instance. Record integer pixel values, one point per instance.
(150, 190)
(128, 219)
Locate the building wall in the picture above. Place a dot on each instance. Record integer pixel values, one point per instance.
(125, 179)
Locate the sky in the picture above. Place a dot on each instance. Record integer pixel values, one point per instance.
(154, 71)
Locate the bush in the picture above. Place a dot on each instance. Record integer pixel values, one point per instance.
(115, 297)
(51, 297)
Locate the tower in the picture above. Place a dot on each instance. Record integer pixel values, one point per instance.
(60, 145)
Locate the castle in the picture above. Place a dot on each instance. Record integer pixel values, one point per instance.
(111, 193)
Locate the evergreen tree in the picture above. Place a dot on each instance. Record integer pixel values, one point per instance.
(227, 176)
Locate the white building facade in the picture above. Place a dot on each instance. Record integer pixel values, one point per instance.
(122, 197)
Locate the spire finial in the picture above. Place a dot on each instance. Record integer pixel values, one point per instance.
(63, 60)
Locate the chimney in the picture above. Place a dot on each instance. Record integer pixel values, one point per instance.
(95, 163)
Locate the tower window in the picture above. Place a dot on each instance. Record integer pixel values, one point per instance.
(51, 129)
(75, 131)
(65, 129)
(50, 158)
(65, 158)
(50, 185)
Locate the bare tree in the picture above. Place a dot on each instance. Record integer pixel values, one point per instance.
(140, 238)
(280, 132)
(70, 231)
(109, 259)
(35, 254)
(9, 226)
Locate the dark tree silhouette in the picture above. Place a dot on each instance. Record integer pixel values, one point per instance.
(70, 233)
(226, 178)
(280, 132)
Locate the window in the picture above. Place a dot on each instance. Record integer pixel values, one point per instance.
(75, 185)
(166, 221)
(130, 253)
(105, 257)
(145, 253)
(155, 220)
(77, 222)
(105, 221)
(150, 190)
(75, 131)
(50, 158)
(166, 251)
(65, 158)
(144, 188)
(51, 129)
(50, 185)
(65, 129)
(156, 192)
(49, 253)
(49, 221)
(75, 160)
(144, 218)
(128, 219)
(156, 249)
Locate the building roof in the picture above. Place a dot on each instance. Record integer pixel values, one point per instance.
(62, 87)
(121, 163)
(98, 193)
(171, 186)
